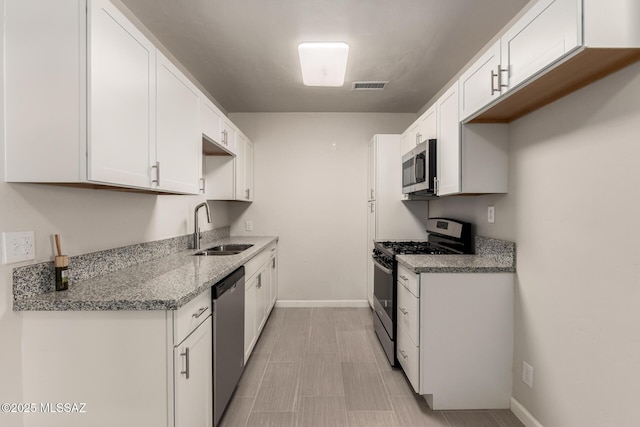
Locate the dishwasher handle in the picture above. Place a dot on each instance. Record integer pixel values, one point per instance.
(228, 284)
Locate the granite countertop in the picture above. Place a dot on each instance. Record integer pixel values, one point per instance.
(455, 264)
(165, 283)
(492, 256)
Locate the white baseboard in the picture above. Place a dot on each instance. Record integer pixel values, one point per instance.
(322, 303)
(523, 415)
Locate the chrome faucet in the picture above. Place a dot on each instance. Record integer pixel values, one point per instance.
(196, 232)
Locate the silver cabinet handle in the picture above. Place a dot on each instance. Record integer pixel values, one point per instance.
(157, 168)
(259, 285)
(493, 87)
(248, 191)
(186, 365)
(199, 312)
(403, 353)
(203, 186)
(372, 207)
(273, 263)
(500, 71)
(405, 312)
(372, 194)
(403, 278)
(498, 76)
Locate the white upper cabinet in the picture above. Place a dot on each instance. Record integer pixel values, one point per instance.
(178, 138)
(244, 168)
(228, 135)
(121, 99)
(482, 82)
(105, 108)
(408, 139)
(473, 158)
(448, 145)
(211, 124)
(555, 48)
(228, 177)
(423, 129)
(548, 31)
(427, 126)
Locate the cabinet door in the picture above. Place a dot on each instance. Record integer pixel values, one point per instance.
(178, 139)
(448, 143)
(229, 135)
(250, 306)
(210, 120)
(193, 378)
(481, 83)
(263, 296)
(248, 171)
(371, 235)
(273, 288)
(121, 99)
(239, 163)
(371, 171)
(547, 32)
(427, 127)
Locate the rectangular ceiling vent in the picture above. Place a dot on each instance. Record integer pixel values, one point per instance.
(369, 85)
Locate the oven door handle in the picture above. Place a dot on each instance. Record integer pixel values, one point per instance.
(382, 267)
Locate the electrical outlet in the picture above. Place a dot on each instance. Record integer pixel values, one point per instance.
(491, 214)
(527, 374)
(18, 246)
(248, 225)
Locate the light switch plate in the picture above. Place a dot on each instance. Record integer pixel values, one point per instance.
(248, 225)
(18, 246)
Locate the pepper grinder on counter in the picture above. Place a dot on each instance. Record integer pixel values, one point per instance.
(61, 264)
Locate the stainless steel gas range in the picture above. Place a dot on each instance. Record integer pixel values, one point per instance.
(446, 236)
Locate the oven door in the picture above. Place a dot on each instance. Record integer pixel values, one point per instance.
(383, 296)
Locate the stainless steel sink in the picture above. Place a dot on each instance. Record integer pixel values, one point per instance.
(228, 249)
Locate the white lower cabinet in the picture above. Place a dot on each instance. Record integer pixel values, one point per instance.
(261, 282)
(193, 378)
(455, 339)
(408, 354)
(142, 368)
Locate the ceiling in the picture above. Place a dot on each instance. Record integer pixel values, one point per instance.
(244, 52)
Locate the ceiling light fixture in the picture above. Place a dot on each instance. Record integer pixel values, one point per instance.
(323, 63)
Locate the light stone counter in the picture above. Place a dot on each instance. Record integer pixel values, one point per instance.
(492, 256)
(164, 283)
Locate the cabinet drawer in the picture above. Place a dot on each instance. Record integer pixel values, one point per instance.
(254, 264)
(409, 314)
(408, 355)
(409, 280)
(187, 318)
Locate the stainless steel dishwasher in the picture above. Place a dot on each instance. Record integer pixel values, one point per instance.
(228, 339)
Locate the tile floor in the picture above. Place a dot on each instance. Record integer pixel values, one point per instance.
(316, 367)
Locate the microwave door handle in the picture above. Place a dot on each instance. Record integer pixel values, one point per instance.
(415, 169)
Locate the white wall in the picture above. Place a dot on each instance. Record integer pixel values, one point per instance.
(314, 198)
(573, 208)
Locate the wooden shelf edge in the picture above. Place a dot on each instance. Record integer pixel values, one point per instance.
(585, 67)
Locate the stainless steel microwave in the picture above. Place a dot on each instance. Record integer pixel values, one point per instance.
(419, 171)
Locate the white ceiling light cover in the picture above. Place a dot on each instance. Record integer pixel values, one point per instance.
(323, 63)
